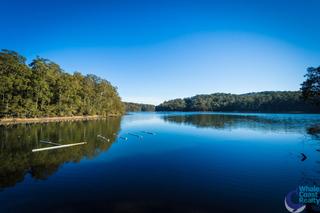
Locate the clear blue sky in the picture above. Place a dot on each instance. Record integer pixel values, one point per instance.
(159, 50)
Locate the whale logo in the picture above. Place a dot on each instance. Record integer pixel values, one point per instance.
(290, 205)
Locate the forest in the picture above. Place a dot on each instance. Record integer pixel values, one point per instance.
(43, 89)
(136, 107)
(273, 101)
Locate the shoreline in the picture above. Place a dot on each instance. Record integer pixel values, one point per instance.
(11, 121)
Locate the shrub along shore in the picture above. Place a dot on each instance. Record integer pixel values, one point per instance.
(10, 121)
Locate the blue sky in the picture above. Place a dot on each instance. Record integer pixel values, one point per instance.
(159, 50)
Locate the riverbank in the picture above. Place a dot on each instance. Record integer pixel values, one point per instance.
(10, 121)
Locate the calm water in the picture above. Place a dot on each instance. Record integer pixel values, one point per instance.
(195, 162)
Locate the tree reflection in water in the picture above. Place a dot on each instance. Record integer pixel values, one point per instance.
(277, 123)
(303, 124)
(17, 141)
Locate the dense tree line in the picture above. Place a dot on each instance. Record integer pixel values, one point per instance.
(42, 88)
(135, 107)
(283, 101)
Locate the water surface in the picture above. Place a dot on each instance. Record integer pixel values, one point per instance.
(194, 162)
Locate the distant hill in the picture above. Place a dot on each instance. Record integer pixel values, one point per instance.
(136, 107)
(269, 101)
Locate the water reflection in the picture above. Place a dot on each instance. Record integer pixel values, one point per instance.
(303, 124)
(274, 123)
(17, 141)
(176, 170)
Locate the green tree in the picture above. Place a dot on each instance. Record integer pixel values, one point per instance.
(14, 84)
(285, 101)
(44, 89)
(311, 86)
(41, 89)
(136, 107)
